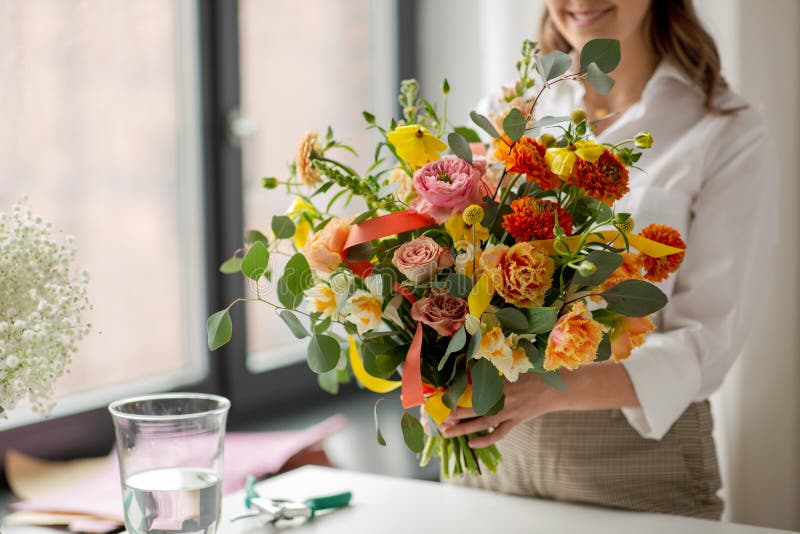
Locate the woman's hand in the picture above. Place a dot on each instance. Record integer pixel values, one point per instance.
(526, 398)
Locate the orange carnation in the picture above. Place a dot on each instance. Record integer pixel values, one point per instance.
(573, 341)
(522, 275)
(526, 156)
(627, 334)
(658, 269)
(605, 180)
(533, 218)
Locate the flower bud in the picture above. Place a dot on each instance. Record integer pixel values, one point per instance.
(625, 225)
(643, 140)
(473, 214)
(586, 268)
(270, 182)
(577, 116)
(445, 86)
(547, 140)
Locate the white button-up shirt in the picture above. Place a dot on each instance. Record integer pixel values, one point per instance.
(715, 179)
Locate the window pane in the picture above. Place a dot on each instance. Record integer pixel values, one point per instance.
(99, 129)
(305, 65)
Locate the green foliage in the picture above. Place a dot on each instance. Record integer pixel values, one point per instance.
(323, 353)
(218, 329)
(487, 386)
(254, 236)
(541, 320)
(382, 359)
(604, 350)
(553, 65)
(282, 227)
(413, 434)
(468, 133)
(634, 298)
(456, 343)
(553, 379)
(599, 80)
(604, 53)
(368, 117)
(329, 382)
(294, 324)
(549, 120)
(456, 388)
(474, 341)
(484, 124)
(381, 441)
(534, 355)
(459, 146)
(458, 285)
(297, 274)
(256, 261)
(512, 319)
(514, 124)
(605, 262)
(231, 266)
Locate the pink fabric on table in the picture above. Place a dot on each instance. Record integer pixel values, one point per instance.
(246, 453)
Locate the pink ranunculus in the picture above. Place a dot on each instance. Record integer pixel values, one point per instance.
(325, 250)
(419, 259)
(441, 311)
(446, 186)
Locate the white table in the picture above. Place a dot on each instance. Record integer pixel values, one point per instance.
(387, 505)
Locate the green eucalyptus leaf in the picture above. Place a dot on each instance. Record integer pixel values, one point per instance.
(381, 441)
(459, 146)
(468, 133)
(256, 261)
(282, 227)
(231, 266)
(553, 65)
(382, 359)
(514, 124)
(322, 326)
(456, 343)
(285, 295)
(549, 120)
(634, 298)
(413, 434)
(484, 124)
(474, 342)
(534, 355)
(456, 388)
(458, 285)
(541, 320)
(599, 80)
(364, 216)
(297, 274)
(359, 252)
(323, 353)
(604, 350)
(498, 406)
(553, 379)
(605, 53)
(254, 236)
(605, 262)
(218, 329)
(294, 324)
(329, 381)
(512, 319)
(487, 386)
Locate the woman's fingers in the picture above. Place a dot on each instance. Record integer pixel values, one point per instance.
(462, 428)
(493, 437)
(458, 414)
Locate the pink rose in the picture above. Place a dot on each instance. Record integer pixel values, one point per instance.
(441, 311)
(325, 248)
(446, 186)
(421, 258)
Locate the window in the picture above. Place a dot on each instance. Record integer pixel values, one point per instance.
(103, 137)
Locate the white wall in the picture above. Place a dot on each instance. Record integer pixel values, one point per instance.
(474, 43)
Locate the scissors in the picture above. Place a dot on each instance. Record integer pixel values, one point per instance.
(270, 511)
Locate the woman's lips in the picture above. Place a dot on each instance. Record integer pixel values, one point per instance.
(588, 17)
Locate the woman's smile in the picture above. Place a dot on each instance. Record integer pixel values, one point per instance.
(587, 17)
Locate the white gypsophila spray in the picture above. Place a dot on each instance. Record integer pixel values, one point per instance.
(42, 301)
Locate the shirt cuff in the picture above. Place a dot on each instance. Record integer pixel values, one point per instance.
(665, 381)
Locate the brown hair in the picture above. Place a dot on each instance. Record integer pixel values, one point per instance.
(676, 33)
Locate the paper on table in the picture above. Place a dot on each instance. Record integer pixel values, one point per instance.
(92, 487)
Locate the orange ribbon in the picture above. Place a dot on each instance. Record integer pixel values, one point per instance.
(412, 392)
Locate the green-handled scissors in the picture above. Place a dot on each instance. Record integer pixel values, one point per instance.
(273, 510)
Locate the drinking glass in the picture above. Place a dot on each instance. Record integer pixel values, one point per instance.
(170, 450)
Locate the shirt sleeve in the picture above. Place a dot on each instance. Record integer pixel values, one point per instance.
(730, 242)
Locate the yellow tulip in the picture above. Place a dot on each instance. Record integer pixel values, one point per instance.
(562, 160)
(460, 231)
(415, 144)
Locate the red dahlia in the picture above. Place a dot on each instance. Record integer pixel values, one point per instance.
(534, 218)
(658, 269)
(606, 179)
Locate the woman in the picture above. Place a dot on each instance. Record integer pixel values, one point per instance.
(638, 435)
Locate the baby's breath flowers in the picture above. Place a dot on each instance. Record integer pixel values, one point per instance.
(42, 301)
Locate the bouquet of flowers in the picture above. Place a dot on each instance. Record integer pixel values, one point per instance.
(470, 268)
(42, 301)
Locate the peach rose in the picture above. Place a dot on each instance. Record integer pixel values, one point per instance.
(627, 334)
(325, 250)
(441, 311)
(573, 341)
(419, 259)
(522, 274)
